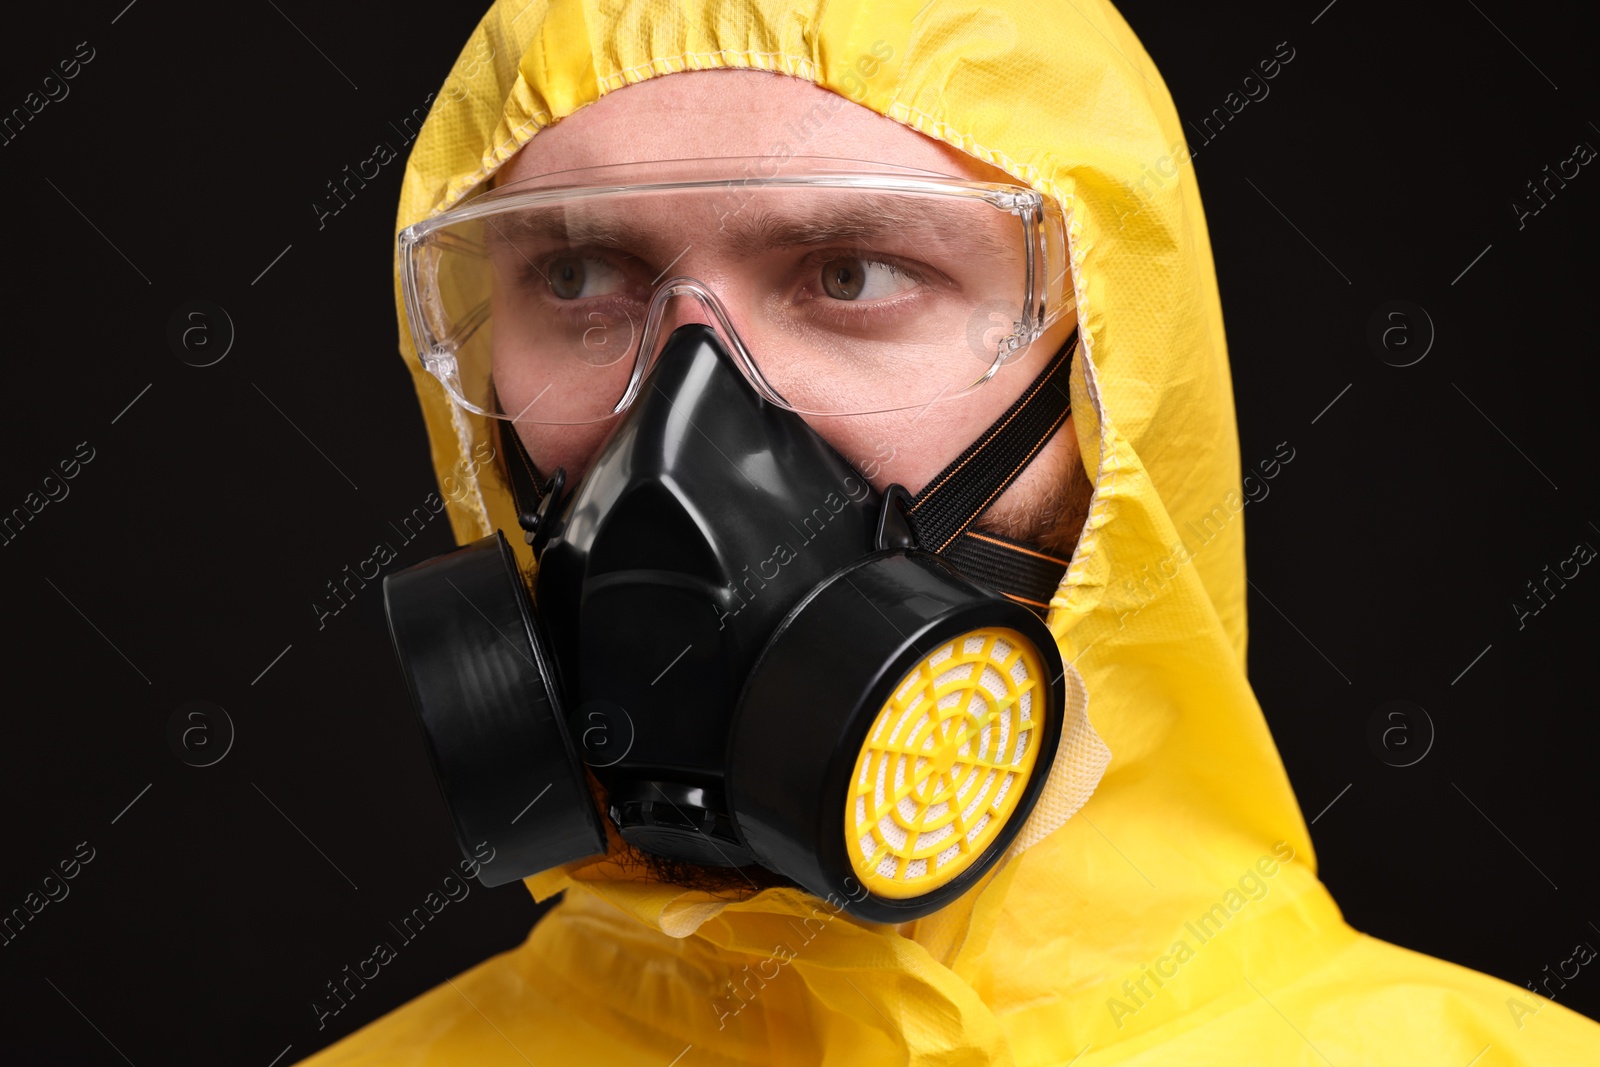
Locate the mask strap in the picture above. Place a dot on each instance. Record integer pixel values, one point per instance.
(532, 496)
(942, 514)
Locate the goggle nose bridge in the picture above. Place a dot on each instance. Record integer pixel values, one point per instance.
(684, 285)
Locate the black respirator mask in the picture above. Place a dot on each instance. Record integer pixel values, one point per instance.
(762, 660)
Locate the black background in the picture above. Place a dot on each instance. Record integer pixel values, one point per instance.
(1384, 561)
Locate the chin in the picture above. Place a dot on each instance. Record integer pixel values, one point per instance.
(736, 882)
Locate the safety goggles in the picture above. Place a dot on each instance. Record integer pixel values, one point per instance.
(841, 287)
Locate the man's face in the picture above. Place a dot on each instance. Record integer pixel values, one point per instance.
(706, 114)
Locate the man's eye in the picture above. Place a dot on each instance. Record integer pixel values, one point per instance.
(851, 278)
(575, 277)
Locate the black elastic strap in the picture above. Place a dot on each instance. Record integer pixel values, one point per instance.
(942, 514)
(526, 487)
(957, 495)
(1014, 569)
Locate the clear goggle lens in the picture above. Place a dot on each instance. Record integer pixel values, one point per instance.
(841, 292)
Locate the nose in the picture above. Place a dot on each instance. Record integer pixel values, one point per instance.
(682, 309)
(682, 299)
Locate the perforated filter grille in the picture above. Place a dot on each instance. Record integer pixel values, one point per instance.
(945, 763)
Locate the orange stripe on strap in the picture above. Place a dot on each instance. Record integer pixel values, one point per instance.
(1018, 548)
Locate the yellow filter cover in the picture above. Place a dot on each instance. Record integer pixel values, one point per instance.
(945, 763)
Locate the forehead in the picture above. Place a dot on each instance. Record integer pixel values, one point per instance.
(712, 113)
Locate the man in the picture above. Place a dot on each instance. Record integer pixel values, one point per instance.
(1177, 917)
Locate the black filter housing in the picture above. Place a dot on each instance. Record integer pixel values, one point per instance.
(484, 690)
(814, 693)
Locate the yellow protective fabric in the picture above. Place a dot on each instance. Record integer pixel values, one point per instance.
(1177, 919)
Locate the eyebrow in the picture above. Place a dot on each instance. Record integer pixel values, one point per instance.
(764, 229)
(752, 234)
(555, 227)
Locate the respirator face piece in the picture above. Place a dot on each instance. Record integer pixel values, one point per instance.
(738, 638)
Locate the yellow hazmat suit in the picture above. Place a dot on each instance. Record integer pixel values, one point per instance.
(1177, 918)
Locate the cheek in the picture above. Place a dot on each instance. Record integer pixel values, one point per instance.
(572, 447)
(912, 446)
(888, 448)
